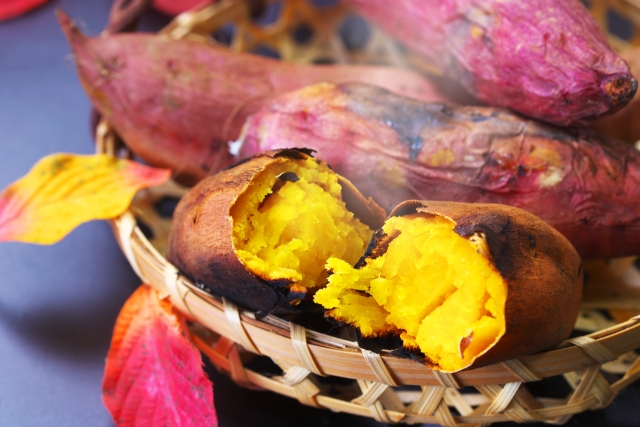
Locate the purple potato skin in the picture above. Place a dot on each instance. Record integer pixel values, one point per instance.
(546, 59)
(177, 103)
(624, 124)
(393, 149)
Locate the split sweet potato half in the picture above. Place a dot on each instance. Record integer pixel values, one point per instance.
(260, 232)
(459, 284)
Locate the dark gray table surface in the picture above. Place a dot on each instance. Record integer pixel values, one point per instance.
(58, 303)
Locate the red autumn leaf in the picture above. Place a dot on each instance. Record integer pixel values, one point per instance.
(13, 8)
(153, 376)
(175, 7)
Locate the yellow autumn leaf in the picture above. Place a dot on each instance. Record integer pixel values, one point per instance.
(63, 191)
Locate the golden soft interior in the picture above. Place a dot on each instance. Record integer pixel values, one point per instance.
(434, 287)
(291, 219)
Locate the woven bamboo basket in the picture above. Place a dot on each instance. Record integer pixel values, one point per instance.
(595, 365)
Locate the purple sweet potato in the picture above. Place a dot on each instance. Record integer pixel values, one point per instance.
(394, 148)
(547, 59)
(625, 124)
(176, 103)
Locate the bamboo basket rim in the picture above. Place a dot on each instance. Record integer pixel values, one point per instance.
(259, 334)
(303, 354)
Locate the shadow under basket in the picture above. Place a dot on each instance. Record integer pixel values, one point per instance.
(320, 370)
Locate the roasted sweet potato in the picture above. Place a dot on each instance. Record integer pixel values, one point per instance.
(462, 285)
(625, 124)
(176, 103)
(260, 232)
(547, 59)
(393, 149)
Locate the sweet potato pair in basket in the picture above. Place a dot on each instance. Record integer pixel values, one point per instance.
(455, 285)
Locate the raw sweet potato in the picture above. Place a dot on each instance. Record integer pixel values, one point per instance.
(259, 233)
(393, 149)
(176, 103)
(547, 59)
(625, 124)
(460, 284)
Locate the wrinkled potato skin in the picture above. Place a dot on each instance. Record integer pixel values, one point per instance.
(176, 103)
(624, 124)
(546, 59)
(201, 243)
(395, 149)
(541, 269)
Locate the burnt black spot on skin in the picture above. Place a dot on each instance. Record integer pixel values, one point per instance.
(413, 354)
(288, 176)
(282, 179)
(532, 242)
(408, 117)
(294, 153)
(361, 293)
(284, 296)
(377, 246)
(254, 295)
(412, 119)
(501, 235)
(295, 294)
(403, 353)
(334, 324)
(376, 344)
(284, 310)
(280, 283)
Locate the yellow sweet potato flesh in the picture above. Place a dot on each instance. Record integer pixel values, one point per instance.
(438, 290)
(288, 231)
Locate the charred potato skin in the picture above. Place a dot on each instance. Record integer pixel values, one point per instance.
(393, 149)
(537, 263)
(201, 242)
